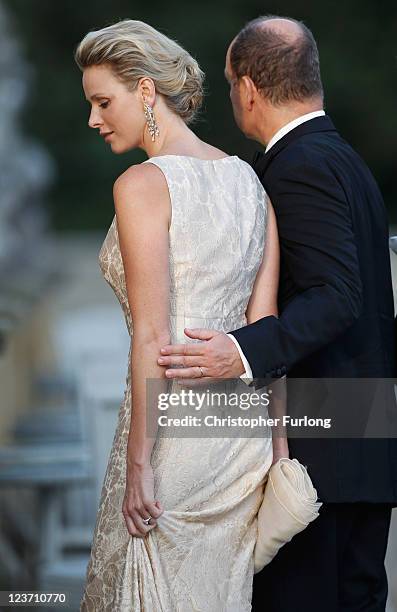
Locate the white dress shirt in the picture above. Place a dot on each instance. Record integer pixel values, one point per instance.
(247, 376)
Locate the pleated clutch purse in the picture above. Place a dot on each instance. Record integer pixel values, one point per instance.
(289, 504)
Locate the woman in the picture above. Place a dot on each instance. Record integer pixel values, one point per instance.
(176, 525)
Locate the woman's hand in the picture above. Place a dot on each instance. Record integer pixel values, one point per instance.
(139, 500)
(280, 449)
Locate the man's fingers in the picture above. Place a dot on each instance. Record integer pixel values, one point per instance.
(193, 372)
(201, 334)
(180, 360)
(195, 348)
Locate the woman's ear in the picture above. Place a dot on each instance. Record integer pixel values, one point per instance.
(147, 90)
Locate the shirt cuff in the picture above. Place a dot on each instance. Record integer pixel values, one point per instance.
(247, 376)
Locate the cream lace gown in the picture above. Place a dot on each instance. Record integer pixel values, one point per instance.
(199, 558)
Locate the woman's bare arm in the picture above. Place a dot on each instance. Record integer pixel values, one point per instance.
(263, 300)
(143, 214)
(263, 303)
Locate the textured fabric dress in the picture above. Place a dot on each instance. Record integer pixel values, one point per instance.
(199, 558)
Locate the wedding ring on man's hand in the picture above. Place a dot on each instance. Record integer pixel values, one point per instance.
(201, 370)
(146, 521)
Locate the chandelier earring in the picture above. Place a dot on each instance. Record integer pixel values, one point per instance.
(151, 121)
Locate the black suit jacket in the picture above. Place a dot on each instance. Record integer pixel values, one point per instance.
(336, 312)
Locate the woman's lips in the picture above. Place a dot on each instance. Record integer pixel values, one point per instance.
(107, 136)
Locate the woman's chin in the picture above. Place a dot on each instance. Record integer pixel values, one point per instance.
(119, 148)
(115, 148)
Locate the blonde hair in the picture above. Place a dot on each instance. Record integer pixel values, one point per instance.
(134, 49)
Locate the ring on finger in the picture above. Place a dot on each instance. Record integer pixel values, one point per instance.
(201, 370)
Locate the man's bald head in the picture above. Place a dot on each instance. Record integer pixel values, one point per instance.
(289, 29)
(280, 55)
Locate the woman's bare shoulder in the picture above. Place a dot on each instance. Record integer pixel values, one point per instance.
(140, 192)
(143, 179)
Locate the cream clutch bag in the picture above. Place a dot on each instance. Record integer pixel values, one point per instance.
(289, 505)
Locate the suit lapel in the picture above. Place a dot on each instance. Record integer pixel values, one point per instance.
(262, 160)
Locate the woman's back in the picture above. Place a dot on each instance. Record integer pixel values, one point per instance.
(216, 235)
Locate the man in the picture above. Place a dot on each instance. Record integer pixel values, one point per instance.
(336, 317)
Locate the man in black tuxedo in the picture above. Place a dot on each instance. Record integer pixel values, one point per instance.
(336, 316)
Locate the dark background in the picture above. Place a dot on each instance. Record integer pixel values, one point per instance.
(358, 51)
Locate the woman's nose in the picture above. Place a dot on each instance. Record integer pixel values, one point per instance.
(94, 119)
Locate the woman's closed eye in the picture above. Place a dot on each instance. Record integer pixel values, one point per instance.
(104, 104)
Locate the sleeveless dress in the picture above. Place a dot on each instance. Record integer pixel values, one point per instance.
(199, 557)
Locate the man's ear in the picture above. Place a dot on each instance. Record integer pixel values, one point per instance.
(248, 91)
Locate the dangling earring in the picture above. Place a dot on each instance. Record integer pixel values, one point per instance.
(151, 121)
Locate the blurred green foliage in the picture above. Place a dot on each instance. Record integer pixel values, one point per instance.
(358, 50)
